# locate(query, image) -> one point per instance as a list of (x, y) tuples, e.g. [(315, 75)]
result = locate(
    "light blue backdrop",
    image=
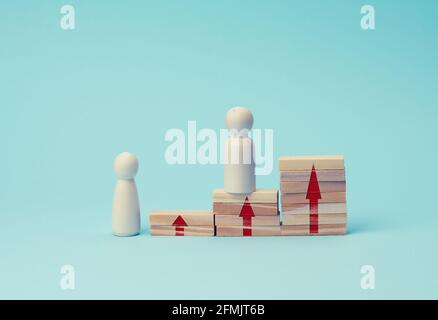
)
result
[(71, 100)]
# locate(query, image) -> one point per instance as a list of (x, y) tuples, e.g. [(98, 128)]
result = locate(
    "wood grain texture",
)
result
[(304, 219), (198, 231), (192, 218), (324, 230), (260, 209), (304, 208), (291, 163), (229, 220), (323, 175), (258, 196), (232, 231), (326, 197), (301, 186)]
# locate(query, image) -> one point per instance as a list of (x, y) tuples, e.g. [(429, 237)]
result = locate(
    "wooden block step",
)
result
[(291, 163), (323, 230), (184, 217), (304, 219), (304, 208), (304, 175), (326, 197), (302, 186), (198, 231), (258, 196), (229, 220), (233, 231), (259, 209)]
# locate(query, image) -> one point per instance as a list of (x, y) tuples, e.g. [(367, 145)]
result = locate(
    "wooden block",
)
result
[(258, 196), (259, 209), (326, 197), (301, 186), (323, 230), (323, 175), (304, 219), (191, 218), (291, 163), (229, 220), (199, 231), (304, 208), (233, 231)]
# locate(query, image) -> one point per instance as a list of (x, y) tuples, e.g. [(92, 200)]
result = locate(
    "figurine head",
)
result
[(126, 166), (239, 119)]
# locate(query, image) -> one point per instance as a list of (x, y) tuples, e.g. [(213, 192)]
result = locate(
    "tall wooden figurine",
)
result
[(126, 208), (239, 175)]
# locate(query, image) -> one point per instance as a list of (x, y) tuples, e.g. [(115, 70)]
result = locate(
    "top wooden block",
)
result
[(258, 196), (290, 163), (189, 218)]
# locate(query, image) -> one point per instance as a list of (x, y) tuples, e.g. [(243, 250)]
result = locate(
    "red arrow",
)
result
[(179, 224), (313, 195), (247, 214)]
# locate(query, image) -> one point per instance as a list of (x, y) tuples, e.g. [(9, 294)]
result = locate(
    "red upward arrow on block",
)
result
[(179, 224), (247, 214), (313, 195)]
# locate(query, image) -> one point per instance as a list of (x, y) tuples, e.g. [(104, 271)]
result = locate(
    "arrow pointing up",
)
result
[(247, 214), (313, 192), (313, 195), (179, 224)]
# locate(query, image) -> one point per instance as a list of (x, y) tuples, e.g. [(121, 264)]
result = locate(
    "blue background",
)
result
[(70, 101)]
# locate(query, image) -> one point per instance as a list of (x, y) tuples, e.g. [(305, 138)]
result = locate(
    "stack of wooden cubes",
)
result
[(313, 195), (313, 202), (254, 214), (181, 223)]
